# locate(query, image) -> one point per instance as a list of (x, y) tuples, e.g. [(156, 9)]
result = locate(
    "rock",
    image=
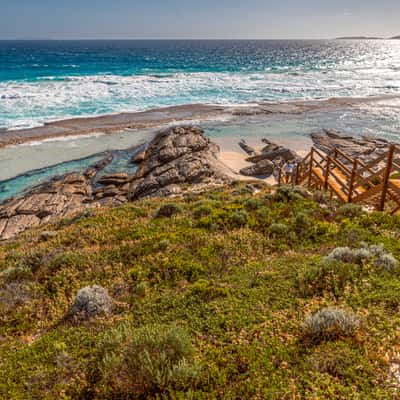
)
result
[(17, 224), (114, 179), (363, 148), (248, 149), (47, 235), (262, 168), (177, 156), (279, 153), (270, 146), (90, 302), (139, 157), (74, 179)]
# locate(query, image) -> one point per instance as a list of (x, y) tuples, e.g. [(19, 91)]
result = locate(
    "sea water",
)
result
[(47, 80)]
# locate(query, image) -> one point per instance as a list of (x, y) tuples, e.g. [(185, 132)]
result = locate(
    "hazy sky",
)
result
[(197, 18)]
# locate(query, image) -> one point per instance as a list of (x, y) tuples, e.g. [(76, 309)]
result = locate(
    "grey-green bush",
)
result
[(330, 324), (147, 361)]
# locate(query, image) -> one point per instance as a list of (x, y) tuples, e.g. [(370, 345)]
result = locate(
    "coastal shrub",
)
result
[(347, 255), (366, 253), (168, 210), (387, 262), (278, 229), (163, 245), (254, 204), (303, 224), (350, 210), (134, 274), (207, 290), (330, 324), (289, 193), (91, 301), (341, 360), (239, 218), (14, 274), (327, 276), (202, 211), (141, 289), (147, 361), (320, 197)]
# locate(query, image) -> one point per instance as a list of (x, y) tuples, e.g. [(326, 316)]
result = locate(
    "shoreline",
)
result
[(159, 117)]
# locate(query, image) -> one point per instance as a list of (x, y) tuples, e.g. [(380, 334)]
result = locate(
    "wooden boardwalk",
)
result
[(375, 184)]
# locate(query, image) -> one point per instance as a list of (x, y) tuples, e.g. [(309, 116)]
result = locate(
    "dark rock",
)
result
[(248, 149), (279, 153), (114, 179), (262, 168)]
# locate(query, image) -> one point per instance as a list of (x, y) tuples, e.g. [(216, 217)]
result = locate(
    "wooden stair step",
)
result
[(332, 183)]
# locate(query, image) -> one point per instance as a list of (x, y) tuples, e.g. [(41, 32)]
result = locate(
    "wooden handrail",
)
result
[(357, 182), (386, 177)]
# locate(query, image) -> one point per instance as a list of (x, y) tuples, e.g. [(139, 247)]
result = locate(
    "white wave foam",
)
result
[(30, 103)]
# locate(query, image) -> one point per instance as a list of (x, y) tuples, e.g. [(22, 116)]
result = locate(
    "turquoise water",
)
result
[(47, 80), (18, 185)]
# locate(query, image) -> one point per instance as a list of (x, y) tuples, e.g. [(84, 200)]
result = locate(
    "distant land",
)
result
[(366, 38)]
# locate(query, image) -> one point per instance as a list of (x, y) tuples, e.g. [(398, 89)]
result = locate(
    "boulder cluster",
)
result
[(265, 161), (176, 157)]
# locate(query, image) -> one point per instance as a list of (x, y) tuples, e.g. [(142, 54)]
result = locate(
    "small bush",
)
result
[(207, 290), (288, 193), (350, 210), (254, 204), (168, 210), (141, 289), (13, 274), (202, 211), (387, 262), (347, 255), (278, 229), (134, 274), (330, 324), (239, 218), (330, 276), (364, 254), (147, 361)]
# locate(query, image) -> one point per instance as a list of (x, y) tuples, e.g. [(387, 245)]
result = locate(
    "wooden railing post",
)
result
[(326, 177), (296, 180), (352, 180), (311, 166), (387, 177)]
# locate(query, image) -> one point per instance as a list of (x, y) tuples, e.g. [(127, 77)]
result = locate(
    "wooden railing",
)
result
[(351, 180)]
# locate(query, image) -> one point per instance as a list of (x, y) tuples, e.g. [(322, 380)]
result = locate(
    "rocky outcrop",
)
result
[(175, 157), (362, 148), (264, 161), (262, 168), (53, 199)]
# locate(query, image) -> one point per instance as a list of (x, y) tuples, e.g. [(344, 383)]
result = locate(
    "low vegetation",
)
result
[(229, 294)]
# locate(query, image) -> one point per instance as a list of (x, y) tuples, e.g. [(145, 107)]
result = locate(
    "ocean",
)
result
[(42, 81)]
